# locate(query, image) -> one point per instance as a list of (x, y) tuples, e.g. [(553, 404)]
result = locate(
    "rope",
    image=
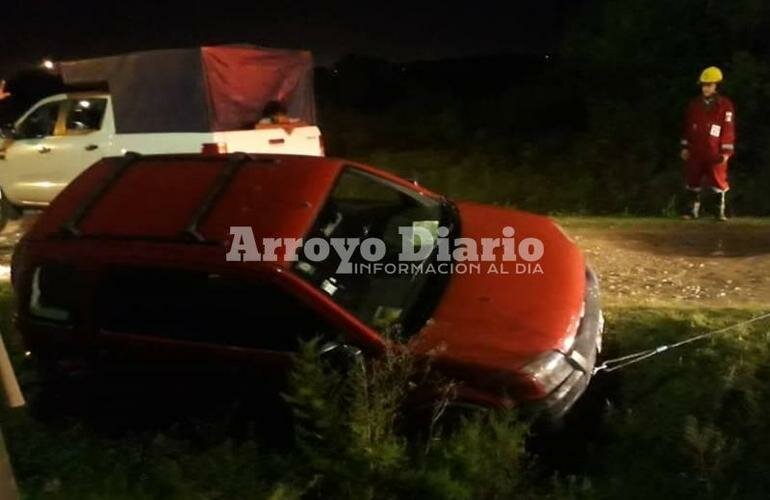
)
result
[(612, 365)]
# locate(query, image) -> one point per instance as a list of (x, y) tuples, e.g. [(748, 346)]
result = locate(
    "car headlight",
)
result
[(549, 370)]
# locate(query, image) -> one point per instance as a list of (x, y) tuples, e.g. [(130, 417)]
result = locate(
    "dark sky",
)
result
[(405, 31)]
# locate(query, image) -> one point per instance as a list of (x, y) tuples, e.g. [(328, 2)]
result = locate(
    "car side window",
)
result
[(357, 186), (275, 320), (202, 307), (85, 115), (41, 122)]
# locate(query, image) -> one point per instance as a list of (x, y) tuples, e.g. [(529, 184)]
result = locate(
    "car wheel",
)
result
[(432, 420), (7, 211), (459, 412)]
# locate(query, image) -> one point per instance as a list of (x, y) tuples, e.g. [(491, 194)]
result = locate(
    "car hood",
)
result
[(499, 320)]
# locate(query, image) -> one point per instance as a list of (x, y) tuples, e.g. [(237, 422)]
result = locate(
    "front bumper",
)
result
[(582, 356)]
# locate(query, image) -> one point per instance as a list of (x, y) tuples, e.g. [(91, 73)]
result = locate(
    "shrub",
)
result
[(350, 445)]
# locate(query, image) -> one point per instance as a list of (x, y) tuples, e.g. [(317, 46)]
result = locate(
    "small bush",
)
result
[(350, 446)]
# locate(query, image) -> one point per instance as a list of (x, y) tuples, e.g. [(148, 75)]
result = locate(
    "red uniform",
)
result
[(709, 136)]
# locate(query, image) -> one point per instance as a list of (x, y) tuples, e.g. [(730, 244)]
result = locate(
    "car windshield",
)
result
[(391, 296)]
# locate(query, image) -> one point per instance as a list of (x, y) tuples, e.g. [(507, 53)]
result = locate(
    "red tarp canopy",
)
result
[(204, 89)]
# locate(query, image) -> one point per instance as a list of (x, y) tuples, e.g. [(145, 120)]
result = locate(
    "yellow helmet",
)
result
[(711, 74)]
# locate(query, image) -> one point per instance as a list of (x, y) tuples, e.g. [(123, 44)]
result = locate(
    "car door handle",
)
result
[(92, 147), (43, 150)]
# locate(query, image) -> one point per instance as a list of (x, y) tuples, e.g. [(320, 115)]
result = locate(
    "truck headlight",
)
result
[(549, 370)]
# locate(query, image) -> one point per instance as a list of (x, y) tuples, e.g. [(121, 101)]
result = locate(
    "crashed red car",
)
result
[(137, 260)]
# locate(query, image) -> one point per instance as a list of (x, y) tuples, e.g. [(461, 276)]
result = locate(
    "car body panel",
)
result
[(508, 319), (483, 332)]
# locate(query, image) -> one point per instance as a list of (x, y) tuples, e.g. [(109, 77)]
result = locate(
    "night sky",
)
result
[(399, 31)]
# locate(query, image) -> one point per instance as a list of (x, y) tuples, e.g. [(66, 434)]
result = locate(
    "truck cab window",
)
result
[(85, 115), (41, 122)]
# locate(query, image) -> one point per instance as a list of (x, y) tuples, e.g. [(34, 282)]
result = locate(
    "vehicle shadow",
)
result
[(197, 407), (563, 447), (716, 240)]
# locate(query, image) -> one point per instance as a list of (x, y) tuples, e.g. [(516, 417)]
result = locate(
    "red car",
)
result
[(151, 259)]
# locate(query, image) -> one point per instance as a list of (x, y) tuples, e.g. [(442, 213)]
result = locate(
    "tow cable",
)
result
[(612, 365)]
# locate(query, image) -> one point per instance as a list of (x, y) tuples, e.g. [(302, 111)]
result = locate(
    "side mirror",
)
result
[(342, 356), (7, 131)]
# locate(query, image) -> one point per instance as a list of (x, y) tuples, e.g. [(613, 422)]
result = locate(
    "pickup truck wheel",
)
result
[(7, 211)]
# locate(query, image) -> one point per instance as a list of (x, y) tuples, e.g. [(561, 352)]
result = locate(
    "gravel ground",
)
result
[(8, 238), (672, 263)]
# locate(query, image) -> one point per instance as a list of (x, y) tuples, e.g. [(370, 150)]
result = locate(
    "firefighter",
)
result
[(275, 113), (708, 142)]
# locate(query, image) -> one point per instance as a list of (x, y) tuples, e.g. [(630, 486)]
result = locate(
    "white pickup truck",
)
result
[(164, 102), (62, 135)]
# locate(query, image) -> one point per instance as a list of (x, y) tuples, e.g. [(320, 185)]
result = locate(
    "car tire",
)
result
[(422, 422), (457, 413), (7, 210), (42, 393)]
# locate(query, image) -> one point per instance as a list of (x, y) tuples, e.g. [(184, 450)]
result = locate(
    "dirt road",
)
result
[(655, 262), (660, 262), (8, 238)]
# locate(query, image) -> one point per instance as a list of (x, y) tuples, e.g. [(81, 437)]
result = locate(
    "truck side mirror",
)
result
[(7, 131)]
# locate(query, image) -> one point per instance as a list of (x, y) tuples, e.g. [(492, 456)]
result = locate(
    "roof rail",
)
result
[(71, 227), (220, 184)]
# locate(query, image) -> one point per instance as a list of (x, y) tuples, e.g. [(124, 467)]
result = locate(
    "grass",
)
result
[(655, 223), (688, 423)]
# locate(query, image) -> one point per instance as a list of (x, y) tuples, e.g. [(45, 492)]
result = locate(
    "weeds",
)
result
[(689, 423), (351, 446)]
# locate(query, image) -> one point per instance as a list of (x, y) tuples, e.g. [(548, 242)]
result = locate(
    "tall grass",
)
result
[(689, 423), (349, 442)]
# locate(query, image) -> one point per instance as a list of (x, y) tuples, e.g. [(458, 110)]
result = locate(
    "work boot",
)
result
[(721, 205), (693, 205)]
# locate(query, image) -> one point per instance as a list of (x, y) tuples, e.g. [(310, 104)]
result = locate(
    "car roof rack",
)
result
[(72, 226), (224, 178)]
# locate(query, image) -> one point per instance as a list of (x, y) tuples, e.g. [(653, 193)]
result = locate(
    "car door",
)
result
[(86, 139), (28, 160), (203, 326)]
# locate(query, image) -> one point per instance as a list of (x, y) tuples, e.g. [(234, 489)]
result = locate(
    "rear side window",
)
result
[(41, 122), (85, 115), (203, 307)]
